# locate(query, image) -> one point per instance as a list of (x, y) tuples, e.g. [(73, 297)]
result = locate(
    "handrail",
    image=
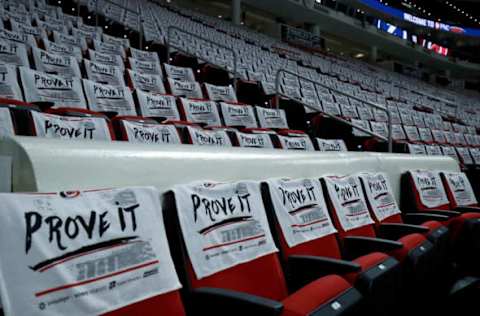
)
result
[(138, 13), (170, 45), (389, 139)]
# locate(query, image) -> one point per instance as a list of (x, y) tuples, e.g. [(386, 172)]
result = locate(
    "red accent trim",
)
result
[(68, 117), (312, 223), (63, 110), (37, 193), (67, 286), (386, 205), (181, 108), (235, 103), (221, 127), (129, 80), (233, 242), (244, 81), (32, 124), (110, 129), (180, 123), (7, 101), (259, 130), (135, 118), (291, 132), (98, 190), (198, 99)]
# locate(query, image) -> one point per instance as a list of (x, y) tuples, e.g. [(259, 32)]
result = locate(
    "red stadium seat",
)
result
[(424, 192), (387, 215), (152, 266), (390, 224), (168, 304), (308, 243), (249, 282), (356, 229)]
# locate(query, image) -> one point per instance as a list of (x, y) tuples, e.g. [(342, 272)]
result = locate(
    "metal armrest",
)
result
[(225, 301), (420, 218), (357, 246), (394, 231), (323, 265), (467, 209)]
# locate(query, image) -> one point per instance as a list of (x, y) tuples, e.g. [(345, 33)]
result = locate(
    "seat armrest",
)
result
[(420, 218), (225, 301), (356, 246), (449, 213), (394, 231), (323, 265), (467, 209), (305, 269), (464, 285)]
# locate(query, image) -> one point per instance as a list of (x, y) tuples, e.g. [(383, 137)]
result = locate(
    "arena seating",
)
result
[(310, 246), (418, 122), (389, 224), (356, 230), (158, 95), (425, 192), (255, 282), (159, 168)]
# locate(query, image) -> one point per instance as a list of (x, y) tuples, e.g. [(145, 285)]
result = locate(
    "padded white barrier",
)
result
[(47, 165)]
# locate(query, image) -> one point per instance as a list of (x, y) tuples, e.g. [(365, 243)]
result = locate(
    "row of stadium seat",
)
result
[(71, 123), (344, 248), (344, 245), (346, 107), (297, 89), (227, 93), (260, 63)]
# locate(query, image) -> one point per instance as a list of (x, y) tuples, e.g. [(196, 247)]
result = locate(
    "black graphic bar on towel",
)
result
[(225, 222), (302, 208)]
